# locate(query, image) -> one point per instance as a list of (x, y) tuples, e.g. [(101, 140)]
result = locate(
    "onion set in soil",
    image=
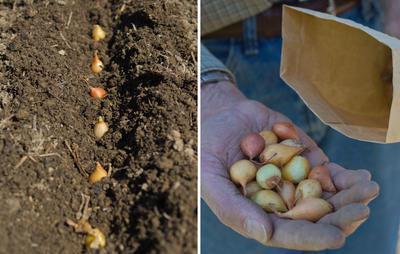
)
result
[(100, 128), (97, 92), (277, 177), (98, 173), (98, 33), (97, 65)]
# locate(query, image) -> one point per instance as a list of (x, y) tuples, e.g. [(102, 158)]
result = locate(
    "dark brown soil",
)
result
[(149, 204)]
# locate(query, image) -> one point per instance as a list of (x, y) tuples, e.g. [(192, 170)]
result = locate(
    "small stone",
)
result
[(145, 186), (22, 114), (179, 145), (61, 2), (189, 152), (62, 52), (176, 134), (31, 13), (13, 205), (165, 163), (155, 222)]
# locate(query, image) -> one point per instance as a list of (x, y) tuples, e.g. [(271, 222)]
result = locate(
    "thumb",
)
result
[(233, 209)]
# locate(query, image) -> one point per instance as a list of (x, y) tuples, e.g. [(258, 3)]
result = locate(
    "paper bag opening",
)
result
[(343, 72)]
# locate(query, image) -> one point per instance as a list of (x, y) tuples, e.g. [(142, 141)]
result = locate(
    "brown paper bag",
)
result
[(346, 73)]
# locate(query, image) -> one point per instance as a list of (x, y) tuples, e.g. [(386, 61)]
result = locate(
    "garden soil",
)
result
[(47, 144)]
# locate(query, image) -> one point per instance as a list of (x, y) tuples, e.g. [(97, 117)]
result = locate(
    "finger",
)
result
[(362, 192), (305, 235), (327, 195), (233, 209), (334, 168), (347, 218), (348, 178)]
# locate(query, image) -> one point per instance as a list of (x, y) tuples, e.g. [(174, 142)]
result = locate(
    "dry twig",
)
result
[(74, 152)]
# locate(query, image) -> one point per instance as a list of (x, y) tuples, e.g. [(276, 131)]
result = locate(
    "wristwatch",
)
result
[(214, 76)]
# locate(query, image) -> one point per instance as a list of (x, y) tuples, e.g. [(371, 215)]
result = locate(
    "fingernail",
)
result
[(255, 230)]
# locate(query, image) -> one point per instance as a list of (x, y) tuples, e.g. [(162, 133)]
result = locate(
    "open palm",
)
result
[(221, 133)]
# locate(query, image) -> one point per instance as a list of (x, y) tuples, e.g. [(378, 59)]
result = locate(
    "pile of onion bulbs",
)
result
[(278, 178)]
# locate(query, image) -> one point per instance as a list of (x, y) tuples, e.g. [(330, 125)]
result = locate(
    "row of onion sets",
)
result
[(95, 239), (279, 179)]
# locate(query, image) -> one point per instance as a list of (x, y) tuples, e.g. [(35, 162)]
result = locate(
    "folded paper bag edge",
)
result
[(386, 39), (359, 133), (393, 132), (376, 135)]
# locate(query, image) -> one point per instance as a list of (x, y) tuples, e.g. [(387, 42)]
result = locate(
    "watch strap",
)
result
[(216, 75)]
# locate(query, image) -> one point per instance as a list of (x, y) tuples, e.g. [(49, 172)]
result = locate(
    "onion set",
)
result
[(279, 154), (100, 128), (270, 201), (296, 169), (97, 92), (268, 176), (98, 33), (285, 131), (269, 137), (322, 175), (243, 172), (308, 188), (252, 145), (96, 65), (311, 209), (98, 173)]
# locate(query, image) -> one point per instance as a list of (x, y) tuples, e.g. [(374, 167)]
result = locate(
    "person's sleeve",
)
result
[(216, 14), (209, 63)]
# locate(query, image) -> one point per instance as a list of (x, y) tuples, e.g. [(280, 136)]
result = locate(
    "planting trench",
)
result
[(148, 205)]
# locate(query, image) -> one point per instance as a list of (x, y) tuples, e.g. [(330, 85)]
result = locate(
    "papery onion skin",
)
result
[(292, 142)]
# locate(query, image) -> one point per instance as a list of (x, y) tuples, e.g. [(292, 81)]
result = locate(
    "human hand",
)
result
[(227, 115)]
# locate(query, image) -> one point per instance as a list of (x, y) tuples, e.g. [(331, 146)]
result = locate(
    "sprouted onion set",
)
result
[(95, 239), (281, 181)]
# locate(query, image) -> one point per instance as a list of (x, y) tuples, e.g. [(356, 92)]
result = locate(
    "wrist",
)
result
[(219, 96)]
